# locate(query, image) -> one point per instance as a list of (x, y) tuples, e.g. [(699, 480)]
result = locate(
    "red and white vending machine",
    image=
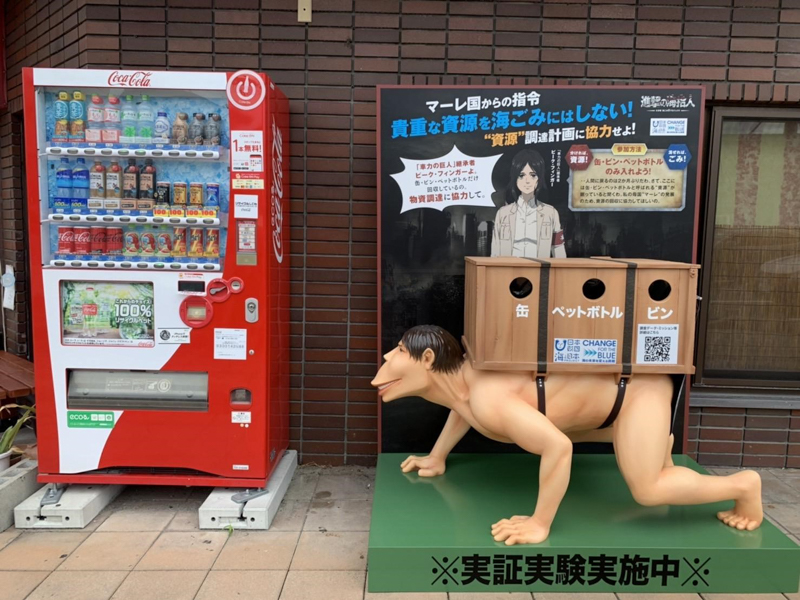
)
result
[(159, 275)]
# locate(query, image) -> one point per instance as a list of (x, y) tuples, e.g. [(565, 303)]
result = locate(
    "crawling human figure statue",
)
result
[(428, 362)]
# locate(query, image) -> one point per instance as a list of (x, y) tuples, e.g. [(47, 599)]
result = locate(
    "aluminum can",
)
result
[(196, 241), (162, 192), (132, 245), (196, 194), (179, 241), (212, 194), (66, 240), (212, 243), (98, 244), (114, 240), (179, 193), (147, 243), (83, 240), (164, 244)]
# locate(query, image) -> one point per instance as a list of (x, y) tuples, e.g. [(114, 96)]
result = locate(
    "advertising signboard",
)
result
[(533, 171)]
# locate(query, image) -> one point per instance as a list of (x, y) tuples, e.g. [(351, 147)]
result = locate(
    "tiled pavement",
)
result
[(147, 545)]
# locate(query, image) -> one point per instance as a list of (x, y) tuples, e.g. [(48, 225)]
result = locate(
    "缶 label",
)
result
[(585, 351), (657, 345)]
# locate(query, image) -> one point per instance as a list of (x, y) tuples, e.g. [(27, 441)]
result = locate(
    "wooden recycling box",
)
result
[(580, 314)]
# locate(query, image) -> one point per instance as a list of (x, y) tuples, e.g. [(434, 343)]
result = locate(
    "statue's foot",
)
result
[(747, 512), (519, 530)]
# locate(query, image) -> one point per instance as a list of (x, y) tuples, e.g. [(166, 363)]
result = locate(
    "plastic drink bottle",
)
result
[(130, 180), (95, 120), (129, 117), (145, 121), (61, 113), (80, 179), (77, 117), (113, 186), (147, 180), (64, 179), (196, 129), (97, 185), (162, 129), (213, 129), (112, 126)]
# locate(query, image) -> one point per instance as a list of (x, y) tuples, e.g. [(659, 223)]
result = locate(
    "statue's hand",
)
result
[(428, 466), (520, 530)]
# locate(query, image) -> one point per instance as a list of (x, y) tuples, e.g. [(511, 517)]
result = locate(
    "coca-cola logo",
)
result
[(67, 235), (130, 78), (277, 190), (83, 237)]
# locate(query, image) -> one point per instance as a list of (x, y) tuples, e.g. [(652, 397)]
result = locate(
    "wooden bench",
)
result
[(16, 377)]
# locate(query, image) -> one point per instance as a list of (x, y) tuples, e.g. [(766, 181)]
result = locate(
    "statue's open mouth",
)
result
[(385, 386)]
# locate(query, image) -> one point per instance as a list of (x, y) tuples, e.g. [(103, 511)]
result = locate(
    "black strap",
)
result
[(627, 334), (544, 293), (540, 395), (623, 384)]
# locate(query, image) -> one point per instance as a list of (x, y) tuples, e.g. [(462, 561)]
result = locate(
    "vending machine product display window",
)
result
[(158, 273)]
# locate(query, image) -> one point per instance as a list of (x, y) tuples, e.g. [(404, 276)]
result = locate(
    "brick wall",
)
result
[(739, 437), (742, 50), (37, 33)]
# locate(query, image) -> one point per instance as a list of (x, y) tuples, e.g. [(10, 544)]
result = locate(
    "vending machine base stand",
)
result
[(433, 535), (75, 507), (249, 509)]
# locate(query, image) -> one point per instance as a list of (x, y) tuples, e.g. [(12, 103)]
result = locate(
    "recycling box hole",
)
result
[(594, 289), (520, 287), (659, 290)]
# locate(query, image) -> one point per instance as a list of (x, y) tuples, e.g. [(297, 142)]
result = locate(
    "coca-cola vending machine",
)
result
[(159, 275)]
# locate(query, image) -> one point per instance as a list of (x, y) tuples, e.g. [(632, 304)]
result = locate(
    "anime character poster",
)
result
[(534, 172)]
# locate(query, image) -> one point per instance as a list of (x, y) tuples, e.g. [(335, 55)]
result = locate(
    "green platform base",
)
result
[(433, 535)]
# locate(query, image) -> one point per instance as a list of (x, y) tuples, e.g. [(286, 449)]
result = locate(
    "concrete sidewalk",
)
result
[(147, 545)]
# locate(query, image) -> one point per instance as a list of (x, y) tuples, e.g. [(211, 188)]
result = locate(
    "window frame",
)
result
[(719, 114)]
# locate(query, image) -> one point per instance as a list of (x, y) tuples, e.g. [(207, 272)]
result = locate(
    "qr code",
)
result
[(656, 348)]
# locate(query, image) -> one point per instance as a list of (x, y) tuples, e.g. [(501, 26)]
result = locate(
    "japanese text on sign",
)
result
[(247, 151), (454, 179), (627, 182), (570, 569), (503, 120)]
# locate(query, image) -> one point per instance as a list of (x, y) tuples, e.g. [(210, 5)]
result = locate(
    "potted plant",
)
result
[(8, 436)]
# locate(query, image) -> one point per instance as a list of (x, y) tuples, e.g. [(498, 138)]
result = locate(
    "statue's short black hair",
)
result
[(449, 356)]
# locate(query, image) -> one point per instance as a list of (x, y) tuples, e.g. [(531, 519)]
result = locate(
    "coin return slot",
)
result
[(241, 397)]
